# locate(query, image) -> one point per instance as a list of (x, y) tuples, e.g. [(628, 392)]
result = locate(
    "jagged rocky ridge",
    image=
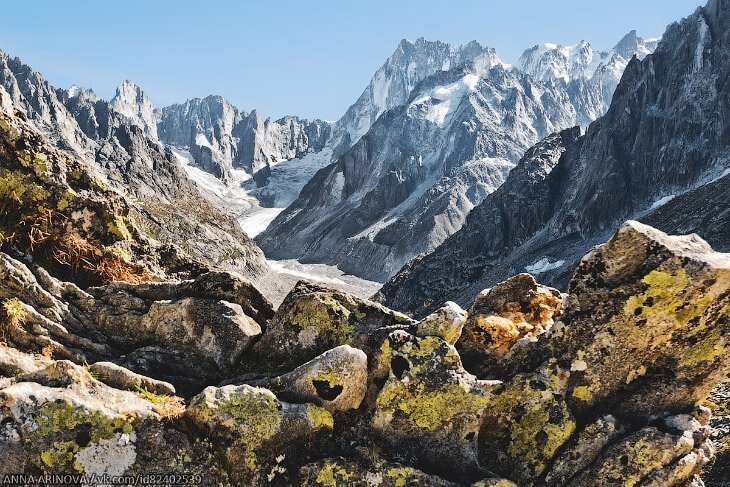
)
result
[(661, 154), (334, 390), (392, 83), (410, 181), (221, 138), (165, 204)]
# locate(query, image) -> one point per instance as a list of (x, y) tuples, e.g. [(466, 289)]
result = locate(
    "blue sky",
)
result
[(308, 58)]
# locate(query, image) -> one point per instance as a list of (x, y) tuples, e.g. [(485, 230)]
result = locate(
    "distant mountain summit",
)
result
[(409, 182), (553, 62), (222, 138), (395, 79), (134, 104)]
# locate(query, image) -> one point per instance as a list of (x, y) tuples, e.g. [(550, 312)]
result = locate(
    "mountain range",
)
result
[(408, 183), (440, 132), (660, 154)]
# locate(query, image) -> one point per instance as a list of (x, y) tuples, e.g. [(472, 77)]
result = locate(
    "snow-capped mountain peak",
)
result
[(553, 62), (393, 82), (548, 61), (134, 104), (81, 93)]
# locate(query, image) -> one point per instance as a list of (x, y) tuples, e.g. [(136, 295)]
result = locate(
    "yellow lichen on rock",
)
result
[(60, 420), (430, 410), (322, 314), (319, 417)]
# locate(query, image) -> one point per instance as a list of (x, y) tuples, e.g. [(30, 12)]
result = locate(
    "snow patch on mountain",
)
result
[(443, 100), (543, 265), (552, 62), (700, 49)]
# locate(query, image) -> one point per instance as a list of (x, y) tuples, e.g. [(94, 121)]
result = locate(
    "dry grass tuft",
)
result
[(13, 314), (168, 407)]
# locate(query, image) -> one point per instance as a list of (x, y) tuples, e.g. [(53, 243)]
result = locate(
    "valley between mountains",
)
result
[(484, 273)]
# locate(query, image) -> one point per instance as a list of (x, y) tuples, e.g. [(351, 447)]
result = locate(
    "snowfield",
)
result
[(240, 198)]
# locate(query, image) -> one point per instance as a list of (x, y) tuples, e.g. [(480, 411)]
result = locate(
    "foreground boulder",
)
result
[(430, 409), (336, 380), (190, 333), (252, 427), (313, 319), (359, 471), (505, 319), (60, 419), (648, 324)]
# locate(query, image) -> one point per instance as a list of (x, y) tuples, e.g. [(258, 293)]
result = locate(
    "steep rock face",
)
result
[(409, 183), (221, 138), (665, 135), (393, 82), (28, 89), (134, 104)]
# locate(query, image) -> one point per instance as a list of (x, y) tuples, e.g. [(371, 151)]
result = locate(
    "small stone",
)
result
[(121, 378), (445, 322)]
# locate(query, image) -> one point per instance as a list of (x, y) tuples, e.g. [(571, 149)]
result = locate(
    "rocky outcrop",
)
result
[(629, 164), (313, 319), (118, 156), (502, 322), (187, 333), (134, 104), (335, 380), (601, 386)]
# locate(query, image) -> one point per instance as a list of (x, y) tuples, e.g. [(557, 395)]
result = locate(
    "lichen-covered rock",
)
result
[(525, 425), (600, 398), (512, 312), (647, 327), (446, 322), (313, 319), (121, 378), (251, 427), (494, 482), (583, 449), (359, 472), (430, 409), (335, 380), (670, 453), (60, 419)]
